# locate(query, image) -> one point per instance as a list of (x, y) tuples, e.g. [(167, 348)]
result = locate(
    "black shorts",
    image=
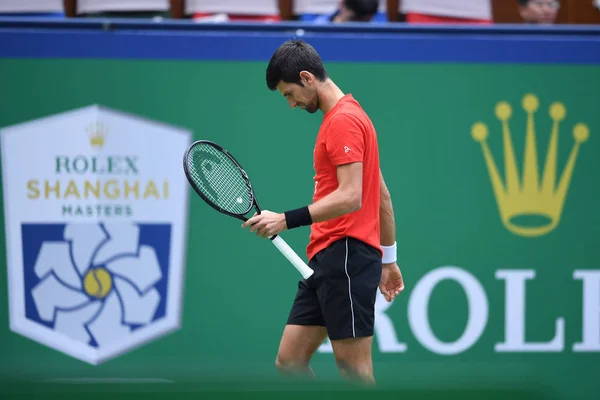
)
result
[(341, 294)]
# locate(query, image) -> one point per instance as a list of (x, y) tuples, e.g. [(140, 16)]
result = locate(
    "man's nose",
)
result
[(292, 103)]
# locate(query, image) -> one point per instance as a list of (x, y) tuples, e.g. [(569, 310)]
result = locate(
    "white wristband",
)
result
[(389, 254)]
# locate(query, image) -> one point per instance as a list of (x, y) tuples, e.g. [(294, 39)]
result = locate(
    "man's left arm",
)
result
[(386, 215), (391, 283)]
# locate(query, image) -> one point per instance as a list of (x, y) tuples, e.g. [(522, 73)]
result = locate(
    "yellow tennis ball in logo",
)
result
[(97, 283)]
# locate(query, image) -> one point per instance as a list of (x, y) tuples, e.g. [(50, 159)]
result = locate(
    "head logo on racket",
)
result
[(207, 172)]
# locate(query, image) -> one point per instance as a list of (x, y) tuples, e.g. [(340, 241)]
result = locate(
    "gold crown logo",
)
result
[(531, 197), (97, 133)]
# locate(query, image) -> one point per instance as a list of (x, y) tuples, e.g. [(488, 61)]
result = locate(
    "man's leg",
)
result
[(297, 346), (304, 332), (353, 358), (347, 298)]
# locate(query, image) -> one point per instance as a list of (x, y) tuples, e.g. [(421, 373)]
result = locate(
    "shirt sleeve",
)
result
[(345, 140)]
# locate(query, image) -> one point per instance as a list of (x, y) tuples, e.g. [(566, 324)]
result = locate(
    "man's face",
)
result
[(304, 97), (540, 11)]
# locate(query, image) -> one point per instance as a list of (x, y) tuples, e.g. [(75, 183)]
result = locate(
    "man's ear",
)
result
[(306, 77)]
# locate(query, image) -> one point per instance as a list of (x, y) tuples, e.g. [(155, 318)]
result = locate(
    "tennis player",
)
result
[(352, 246)]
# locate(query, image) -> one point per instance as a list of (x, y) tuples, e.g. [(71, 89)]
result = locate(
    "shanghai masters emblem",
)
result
[(527, 194), (95, 231), (96, 283)]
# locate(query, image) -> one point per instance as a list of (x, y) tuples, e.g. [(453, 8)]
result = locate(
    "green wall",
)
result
[(446, 215)]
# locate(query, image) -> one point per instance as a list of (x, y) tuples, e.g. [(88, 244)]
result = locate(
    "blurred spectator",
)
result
[(306, 10), (234, 10), (324, 11), (441, 11), (351, 11), (539, 11), (118, 8)]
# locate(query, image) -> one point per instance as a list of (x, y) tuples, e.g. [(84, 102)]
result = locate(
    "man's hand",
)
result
[(266, 224), (391, 283)]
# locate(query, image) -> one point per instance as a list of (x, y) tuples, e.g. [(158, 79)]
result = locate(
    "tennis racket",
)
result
[(221, 182)]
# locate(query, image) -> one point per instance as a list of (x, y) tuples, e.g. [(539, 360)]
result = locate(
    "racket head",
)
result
[(219, 179)]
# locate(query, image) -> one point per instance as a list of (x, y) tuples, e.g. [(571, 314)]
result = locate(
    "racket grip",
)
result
[(292, 257)]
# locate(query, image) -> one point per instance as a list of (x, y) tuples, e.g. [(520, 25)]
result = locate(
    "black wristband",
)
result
[(298, 217)]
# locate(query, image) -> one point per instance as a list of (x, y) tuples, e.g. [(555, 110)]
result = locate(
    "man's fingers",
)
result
[(259, 228), (251, 221), (385, 293), (268, 232), (254, 223), (263, 231), (400, 286), (390, 294)]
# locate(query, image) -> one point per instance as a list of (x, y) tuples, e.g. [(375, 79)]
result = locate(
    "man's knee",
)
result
[(356, 371), (287, 365), (297, 346)]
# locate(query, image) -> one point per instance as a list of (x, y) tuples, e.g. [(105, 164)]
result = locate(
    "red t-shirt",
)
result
[(346, 135)]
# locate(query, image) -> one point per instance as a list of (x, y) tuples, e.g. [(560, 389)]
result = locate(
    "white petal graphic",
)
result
[(85, 240), (123, 240), (54, 256), (50, 294), (138, 309), (107, 327), (72, 323), (144, 271)]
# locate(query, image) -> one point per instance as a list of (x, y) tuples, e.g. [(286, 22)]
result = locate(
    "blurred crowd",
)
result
[(311, 11)]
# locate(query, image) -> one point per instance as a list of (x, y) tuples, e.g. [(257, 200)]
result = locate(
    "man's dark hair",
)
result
[(362, 8), (291, 58)]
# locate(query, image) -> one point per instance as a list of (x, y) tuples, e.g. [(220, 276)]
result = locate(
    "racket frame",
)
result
[(281, 245), (253, 203)]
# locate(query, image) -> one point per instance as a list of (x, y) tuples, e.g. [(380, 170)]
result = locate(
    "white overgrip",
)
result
[(292, 257)]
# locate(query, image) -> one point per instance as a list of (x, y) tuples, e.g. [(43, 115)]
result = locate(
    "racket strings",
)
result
[(231, 195), (219, 179), (223, 182), (223, 190)]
